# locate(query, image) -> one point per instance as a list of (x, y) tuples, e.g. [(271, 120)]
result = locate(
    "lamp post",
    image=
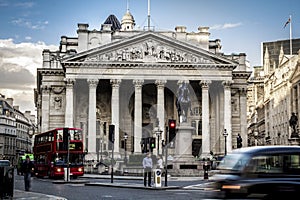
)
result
[(101, 143), (225, 134), (158, 133), (125, 148)]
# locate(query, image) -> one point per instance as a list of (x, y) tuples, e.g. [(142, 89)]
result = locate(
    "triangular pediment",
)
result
[(295, 76), (149, 47)]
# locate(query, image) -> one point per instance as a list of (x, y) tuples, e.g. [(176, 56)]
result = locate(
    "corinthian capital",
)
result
[(69, 81), (138, 83), (160, 83), (227, 84), (115, 82), (205, 83), (93, 83)]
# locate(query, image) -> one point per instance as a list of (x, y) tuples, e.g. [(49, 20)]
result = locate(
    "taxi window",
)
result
[(274, 164), (233, 162), (265, 164)]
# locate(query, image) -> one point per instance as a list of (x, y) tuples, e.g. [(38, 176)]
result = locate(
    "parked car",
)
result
[(263, 171)]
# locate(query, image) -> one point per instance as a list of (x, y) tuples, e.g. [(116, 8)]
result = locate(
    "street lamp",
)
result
[(225, 134), (158, 133), (101, 143), (125, 149)]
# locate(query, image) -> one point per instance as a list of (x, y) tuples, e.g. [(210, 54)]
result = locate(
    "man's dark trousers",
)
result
[(27, 180), (147, 173)]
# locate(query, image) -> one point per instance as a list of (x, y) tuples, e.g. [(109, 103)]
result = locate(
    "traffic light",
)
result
[(172, 129), (152, 143), (111, 135)]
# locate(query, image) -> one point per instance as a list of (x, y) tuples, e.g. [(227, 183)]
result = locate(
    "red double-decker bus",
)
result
[(53, 149)]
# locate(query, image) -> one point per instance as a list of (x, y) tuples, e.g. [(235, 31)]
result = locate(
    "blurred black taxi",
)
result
[(266, 171)]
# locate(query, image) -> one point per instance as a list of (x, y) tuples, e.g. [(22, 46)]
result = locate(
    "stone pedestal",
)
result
[(184, 162), (183, 143)]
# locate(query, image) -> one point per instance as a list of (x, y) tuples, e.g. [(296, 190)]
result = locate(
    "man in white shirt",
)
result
[(160, 163), (147, 165)]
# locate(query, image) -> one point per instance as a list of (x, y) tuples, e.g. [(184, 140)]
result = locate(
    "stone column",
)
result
[(227, 114), (161, 108), (298, 97), (45, 108), (69, 112), (243, 110), (92, 116), (138, 115), (205, 119), (115, 111), (294, 97)]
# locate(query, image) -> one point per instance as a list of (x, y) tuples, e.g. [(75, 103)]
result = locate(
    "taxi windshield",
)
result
[(234, 162)]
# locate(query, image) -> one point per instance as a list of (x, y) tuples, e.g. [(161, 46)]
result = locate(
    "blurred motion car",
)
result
[(268, 172)]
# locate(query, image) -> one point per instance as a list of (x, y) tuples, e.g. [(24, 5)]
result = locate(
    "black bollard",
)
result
[(205, 168)]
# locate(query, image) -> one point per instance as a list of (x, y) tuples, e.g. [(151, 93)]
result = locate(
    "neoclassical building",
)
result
[(129, 78), (274, 96)]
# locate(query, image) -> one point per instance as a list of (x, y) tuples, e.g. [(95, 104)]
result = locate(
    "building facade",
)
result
[(8, 132), (16, 130), (275, 90), (129, 78)]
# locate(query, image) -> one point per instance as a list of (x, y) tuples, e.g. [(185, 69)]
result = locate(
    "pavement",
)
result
[(21, 194)]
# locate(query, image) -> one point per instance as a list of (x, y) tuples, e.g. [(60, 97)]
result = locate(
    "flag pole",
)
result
[(291, 36)]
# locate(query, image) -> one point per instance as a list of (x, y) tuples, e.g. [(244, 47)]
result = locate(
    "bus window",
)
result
[(51, 137), (76, 134), (59, 135)]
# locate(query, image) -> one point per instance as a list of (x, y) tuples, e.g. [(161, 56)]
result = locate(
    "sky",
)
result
[(29, 26)]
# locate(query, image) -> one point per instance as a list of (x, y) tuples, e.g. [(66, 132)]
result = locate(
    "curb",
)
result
[(70, 182), (132, 186)]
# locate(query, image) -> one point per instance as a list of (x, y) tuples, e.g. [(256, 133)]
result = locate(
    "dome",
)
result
[(113, 20), (127, 23), (128, 18)]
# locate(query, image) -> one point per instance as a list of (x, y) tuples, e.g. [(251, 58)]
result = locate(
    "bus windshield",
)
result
[(74, 159)]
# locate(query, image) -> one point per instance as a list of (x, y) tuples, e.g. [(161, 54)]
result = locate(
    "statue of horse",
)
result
[(183, 102)]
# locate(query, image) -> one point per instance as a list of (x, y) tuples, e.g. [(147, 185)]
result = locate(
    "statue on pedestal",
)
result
[(293, 123), (183, 102)]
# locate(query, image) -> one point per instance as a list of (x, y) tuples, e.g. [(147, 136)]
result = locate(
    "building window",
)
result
[(196, 111)]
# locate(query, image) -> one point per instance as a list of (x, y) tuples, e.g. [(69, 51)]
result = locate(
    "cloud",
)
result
[(4, 3), (26, 55), (39, 25), (15, 77), (25, 4), (225, 26), (18, 65)]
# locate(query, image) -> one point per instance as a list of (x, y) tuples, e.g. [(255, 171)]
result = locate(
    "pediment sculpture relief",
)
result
[(149, 51)]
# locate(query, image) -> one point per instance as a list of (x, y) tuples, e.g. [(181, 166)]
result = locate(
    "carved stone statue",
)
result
[(293, 123), (183, 102)]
